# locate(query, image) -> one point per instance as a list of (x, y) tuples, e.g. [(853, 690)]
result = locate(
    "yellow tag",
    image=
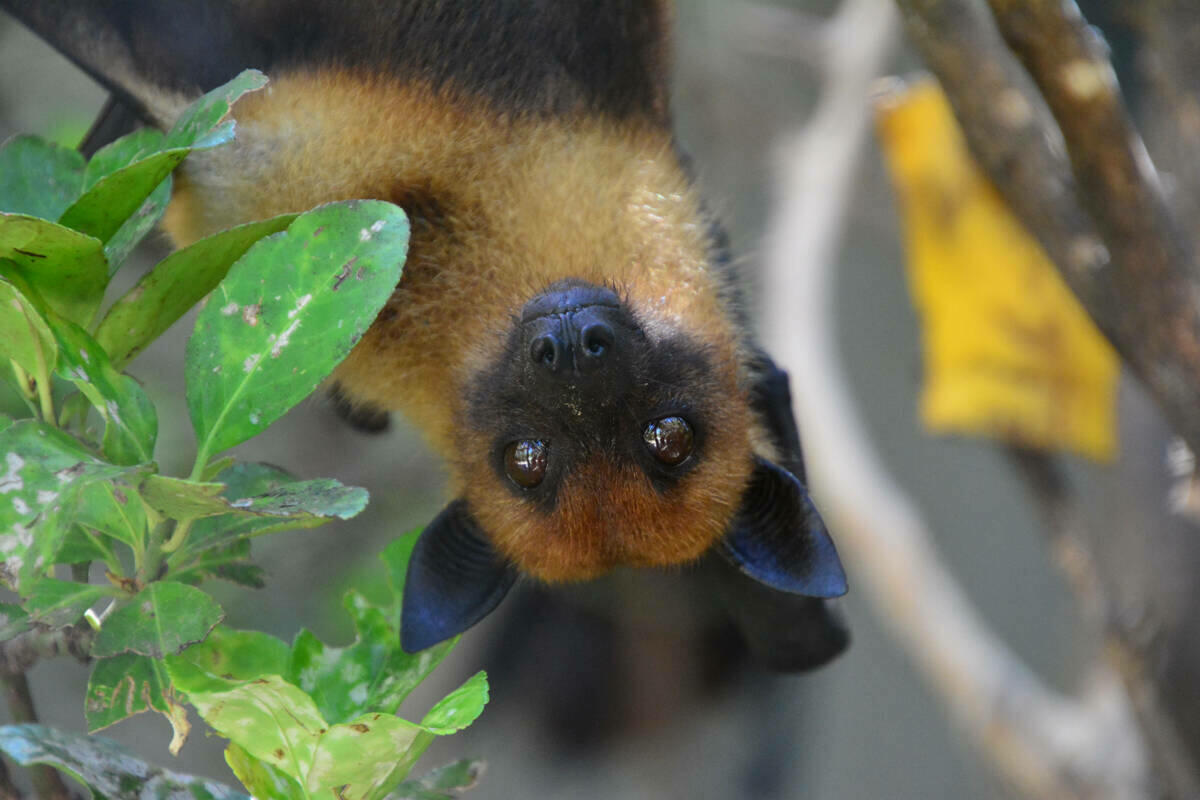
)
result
[(1008, 351)]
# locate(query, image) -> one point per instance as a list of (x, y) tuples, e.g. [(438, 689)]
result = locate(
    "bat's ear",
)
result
[(778, 539), (455, 578)]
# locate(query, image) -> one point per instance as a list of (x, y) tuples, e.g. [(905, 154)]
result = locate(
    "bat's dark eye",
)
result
[(669, 440), (525, 462)]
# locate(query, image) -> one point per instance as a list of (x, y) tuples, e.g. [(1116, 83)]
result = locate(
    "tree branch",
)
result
[(21, 652), (47, 783), (1049, 745), (1116, 248)]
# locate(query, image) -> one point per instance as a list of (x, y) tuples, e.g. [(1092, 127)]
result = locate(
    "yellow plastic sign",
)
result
[(1008, 351)]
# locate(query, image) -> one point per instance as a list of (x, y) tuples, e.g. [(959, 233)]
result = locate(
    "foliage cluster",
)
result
[(287, 298)]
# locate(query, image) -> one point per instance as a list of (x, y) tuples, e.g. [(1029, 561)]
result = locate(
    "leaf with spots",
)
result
[(41, 471), (368, 755), (53, 264), (269, 718), (371, 674), (239, 655), (129, 684), (180, 280), (130, 421), (38, 178), (163, 618), (288, 311), (107, 769), (264, 781), (113, 508)]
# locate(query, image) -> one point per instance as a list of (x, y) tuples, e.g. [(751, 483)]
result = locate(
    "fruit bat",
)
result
[(568, 332)]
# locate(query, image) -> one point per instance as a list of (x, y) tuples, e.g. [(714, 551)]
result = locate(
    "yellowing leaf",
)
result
[(1008, 351)]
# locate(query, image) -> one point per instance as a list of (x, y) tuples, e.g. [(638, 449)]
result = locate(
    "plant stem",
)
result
[(47, 783), (8, 789)]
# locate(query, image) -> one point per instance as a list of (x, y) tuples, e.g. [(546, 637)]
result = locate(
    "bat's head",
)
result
[(599, 435)]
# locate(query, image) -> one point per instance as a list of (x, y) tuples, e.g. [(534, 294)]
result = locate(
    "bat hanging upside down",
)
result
[(567, 332)]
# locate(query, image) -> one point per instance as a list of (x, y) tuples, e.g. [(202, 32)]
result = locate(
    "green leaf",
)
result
[(24, 335), (371, 753), (163, 618), (41, 469), (180, 280), (264, 781), (371, 674), (179, 498), (135, 228), (230, 562), (198, 126), (120, 153), (108, 769), (14, 621), (114, 509), (81, 546), (239, 655), (443, 783), (38, 178), (125, 685), (286, 314), (104, 208), (65, 268), (130, 421), (269, 718), (321, 497), (460, 708), (56, 603)]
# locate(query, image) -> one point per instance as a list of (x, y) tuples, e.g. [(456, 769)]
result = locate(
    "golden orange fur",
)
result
[(518, 203)]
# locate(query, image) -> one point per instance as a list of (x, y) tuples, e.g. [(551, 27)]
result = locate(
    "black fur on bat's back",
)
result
[(544, 56)]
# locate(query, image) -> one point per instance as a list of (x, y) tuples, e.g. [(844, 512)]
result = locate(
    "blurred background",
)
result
[(621, 689)]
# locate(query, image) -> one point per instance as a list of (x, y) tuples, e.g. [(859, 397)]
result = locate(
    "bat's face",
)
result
[(605, 438)]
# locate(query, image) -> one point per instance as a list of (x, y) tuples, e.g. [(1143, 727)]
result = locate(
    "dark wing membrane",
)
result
[(535, 56)]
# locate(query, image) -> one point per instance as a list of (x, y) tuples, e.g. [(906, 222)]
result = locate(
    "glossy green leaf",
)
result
[(38, 178), (286, 314), (41, 469), (180, 280), (25, 338), (264, 781), (460, 708), (67, 269), (14, 621), (108, 769), (130, 421), (200, 124), (57, 603), (163, 618), (443, 783)]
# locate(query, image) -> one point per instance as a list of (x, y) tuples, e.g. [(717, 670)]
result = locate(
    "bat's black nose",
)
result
[(580, 341)]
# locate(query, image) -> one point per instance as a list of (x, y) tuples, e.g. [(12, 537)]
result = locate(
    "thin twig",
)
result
[(47, 783), (1067, 529), (1049, 745), (21, 652)]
